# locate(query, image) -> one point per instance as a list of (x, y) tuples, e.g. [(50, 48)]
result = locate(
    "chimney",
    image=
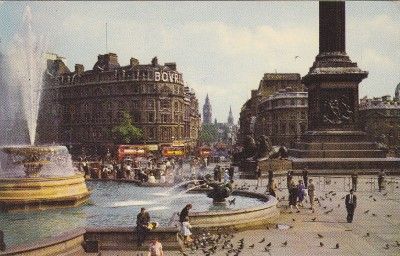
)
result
[(79, 69), (171, 65), (134, 62)]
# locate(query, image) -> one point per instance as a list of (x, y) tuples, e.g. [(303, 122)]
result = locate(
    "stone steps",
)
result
[(337, 153), (346, 163), (336, 146)]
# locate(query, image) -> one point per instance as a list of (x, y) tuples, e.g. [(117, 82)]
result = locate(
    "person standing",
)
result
[(258, 174), (354, 178), (155, 248), (272, 187), (311, 194), (231, 172), (381, 180), (351, 203), (293, 196), (142, 223), (289, 178), (300, 192), (305, 177), (270, 176), (185, 225)]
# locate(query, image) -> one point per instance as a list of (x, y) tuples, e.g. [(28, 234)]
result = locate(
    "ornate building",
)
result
[(80, 108), (253, 120), (282, 116), (381, 116), (207, 111)]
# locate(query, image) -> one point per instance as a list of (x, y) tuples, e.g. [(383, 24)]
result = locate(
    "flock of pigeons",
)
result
[(223, 241)]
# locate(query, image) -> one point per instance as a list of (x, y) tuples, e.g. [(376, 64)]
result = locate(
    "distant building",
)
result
[(207, 111), (282, 116), (230, 116), (381, 116), (254, 120), (81, 107)]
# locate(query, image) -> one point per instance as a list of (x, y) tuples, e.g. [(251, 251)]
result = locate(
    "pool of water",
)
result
[(111, 204)]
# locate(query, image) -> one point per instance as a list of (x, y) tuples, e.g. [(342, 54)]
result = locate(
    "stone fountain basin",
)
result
[(241, 218), (42, 192)]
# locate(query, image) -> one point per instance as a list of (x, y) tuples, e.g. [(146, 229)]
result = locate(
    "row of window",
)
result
[(119, 89)]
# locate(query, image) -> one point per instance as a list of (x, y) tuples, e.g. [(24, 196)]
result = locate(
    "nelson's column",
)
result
[(334, 139)]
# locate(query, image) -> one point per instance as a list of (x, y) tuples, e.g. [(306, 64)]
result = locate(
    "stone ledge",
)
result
[(49, 246)]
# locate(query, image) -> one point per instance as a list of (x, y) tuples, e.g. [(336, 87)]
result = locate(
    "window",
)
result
[(150, 104), (165, 118), (165, 104), (151, 133), (150, 116)]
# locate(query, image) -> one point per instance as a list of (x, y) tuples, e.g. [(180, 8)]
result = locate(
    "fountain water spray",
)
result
[(27, 65)]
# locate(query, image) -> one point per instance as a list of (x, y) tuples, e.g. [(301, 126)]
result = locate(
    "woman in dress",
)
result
[(300, 192)]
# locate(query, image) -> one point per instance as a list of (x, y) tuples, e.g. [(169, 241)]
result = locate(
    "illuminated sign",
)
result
[(173, 151)]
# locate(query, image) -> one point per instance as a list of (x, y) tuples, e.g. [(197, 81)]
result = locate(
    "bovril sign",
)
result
[(168, 76)]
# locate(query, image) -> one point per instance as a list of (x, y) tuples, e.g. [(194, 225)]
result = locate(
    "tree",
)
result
[(208, 133), (126, 132)]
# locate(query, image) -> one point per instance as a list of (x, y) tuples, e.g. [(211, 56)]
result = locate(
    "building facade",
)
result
[(274, 88), (381, 116), (80, 108), (282, 116)]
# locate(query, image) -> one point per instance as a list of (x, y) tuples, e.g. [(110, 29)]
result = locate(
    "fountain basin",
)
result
[(42, 192), (244, 218)]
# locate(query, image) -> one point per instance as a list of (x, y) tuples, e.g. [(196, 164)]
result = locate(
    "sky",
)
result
[(222, 48)]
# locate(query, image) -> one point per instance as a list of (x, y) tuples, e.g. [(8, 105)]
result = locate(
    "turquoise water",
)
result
[(111, 204)]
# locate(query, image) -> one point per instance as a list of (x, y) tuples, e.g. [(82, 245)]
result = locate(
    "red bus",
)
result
[(132, 151)]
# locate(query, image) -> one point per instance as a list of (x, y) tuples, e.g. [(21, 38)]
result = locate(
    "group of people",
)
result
[(150, 170), (223, 173), (144, 225)]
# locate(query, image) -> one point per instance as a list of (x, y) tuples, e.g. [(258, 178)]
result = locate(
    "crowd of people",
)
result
[(151, 170)]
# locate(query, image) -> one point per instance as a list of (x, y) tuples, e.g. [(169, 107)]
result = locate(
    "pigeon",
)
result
[(337, 246), (266, 249), (367, 235), (397, 244), (320, 236), (233, 201), (370, 196), (385, 194), (386, 246), (313, 219), (284, 243), (321, 244), (388, 215), (374, 199), (251, 246), (262, 240), (338, 206), (374, 214), (269, 244), (367, 211), (294, 219)]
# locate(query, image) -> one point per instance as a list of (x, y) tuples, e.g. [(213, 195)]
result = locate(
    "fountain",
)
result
[(31, 176), (219, 192)]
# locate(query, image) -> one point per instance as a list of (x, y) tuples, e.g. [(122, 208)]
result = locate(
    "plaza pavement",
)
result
[(377, 213)]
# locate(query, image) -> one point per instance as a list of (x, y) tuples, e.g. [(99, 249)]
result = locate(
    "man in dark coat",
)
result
[(351, 203), (142, 223), (184, 215), (305, 177)]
